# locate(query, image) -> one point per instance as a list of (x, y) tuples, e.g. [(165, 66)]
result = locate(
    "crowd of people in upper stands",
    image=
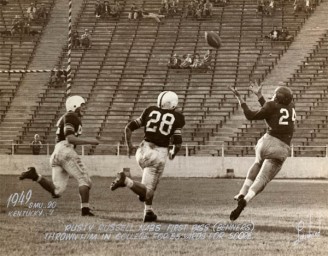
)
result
[(280, 35), (83, 41), (268, 7), (105, 10), (191, 61), (199, 9), (21, 25), (169, 8), (58, 78), (138, 13), (304, 6)]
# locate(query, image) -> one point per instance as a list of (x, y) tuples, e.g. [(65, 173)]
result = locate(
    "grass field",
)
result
[(193, 213)]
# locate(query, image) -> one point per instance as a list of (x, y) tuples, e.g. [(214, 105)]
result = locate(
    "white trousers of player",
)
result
[(151, 160), (65, 162), (270, 156)]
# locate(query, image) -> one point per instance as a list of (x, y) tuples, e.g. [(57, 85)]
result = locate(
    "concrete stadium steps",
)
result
[(33, 86), (16, 51), (125, 69)]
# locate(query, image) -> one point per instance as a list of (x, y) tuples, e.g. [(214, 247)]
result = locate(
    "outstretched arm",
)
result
[(237, 95), (250, 114), (257, 90)]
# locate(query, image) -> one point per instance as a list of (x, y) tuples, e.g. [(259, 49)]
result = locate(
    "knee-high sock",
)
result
[(84, 195), (137, 187)]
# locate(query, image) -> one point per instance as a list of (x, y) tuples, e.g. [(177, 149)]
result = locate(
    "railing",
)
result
[(13, 148)]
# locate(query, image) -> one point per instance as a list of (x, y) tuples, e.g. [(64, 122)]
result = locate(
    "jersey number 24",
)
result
[(285, 115)]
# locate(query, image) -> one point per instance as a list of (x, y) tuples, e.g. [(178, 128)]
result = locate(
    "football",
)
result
[(213, 39)]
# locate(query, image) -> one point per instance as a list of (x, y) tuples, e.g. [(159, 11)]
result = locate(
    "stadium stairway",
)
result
[(16, 51), (236, 121), (314, 28), (310, 86), (45, 57), (133, 70)]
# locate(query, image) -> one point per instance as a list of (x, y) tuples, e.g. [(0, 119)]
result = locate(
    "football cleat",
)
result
[(238, 197), (236, 212), (29, 174), (55, 196), (86, 212), (149, 216), (119, 181)]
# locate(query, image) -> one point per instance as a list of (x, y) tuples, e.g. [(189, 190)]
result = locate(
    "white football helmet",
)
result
[(74, 102), (167, 100)]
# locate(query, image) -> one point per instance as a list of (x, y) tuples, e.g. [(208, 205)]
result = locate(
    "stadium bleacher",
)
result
[(125, 69)]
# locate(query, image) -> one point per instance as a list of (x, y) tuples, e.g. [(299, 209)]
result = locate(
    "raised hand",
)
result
[(256, 88), (237, 94), (234, 91)]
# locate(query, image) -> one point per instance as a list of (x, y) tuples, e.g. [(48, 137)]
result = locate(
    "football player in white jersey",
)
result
[(162, 123), (64, 160)]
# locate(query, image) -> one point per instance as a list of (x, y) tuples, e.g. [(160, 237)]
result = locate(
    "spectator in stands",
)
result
[(107, 10), (164, 9), (76, 40), (31, 10), (308, 6), (156, 17), (169, 7), (36, 145), (197, 63), (208, 9), (58, 78), (41, 12), (220, 3), (99, 7), (260, 6), (133, 14), (17, 25), (116, 9), (274, 34), (191, 9), (207, 60), (174, 62), (61, 76), (285, 35), (86, 39), (299, 5), (187, 62), (271, 7), (199, 11), (26, 27), (52, 79)]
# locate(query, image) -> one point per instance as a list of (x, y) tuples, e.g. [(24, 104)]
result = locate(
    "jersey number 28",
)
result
[(159, 122)]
